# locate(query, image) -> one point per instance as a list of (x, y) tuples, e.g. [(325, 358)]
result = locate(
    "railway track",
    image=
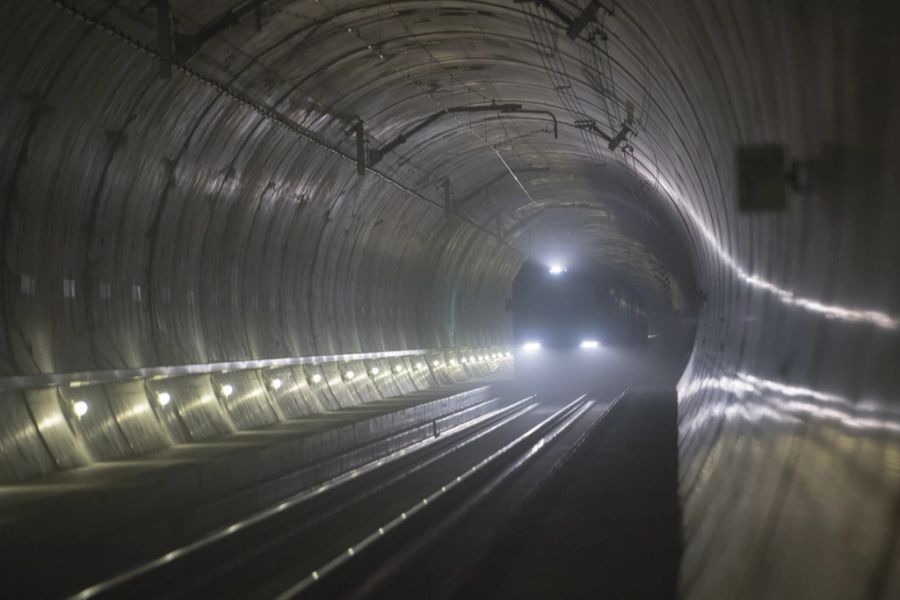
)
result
[(352, 532)]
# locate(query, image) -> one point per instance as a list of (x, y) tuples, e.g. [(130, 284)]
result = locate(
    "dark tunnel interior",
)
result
[(229, 224)]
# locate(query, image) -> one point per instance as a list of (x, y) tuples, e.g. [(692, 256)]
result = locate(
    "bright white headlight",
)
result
[(531, 346), (590, 344)]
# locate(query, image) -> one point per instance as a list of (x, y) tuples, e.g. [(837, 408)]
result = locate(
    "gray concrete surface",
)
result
[(606, 525), (128, 416), (82, 524), (218, 215)]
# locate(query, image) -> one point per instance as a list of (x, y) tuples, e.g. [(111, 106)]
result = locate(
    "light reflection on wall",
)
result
[(784, 403), (880, 319)]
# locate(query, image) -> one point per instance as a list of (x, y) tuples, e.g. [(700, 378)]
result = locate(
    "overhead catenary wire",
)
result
[(266, 111)]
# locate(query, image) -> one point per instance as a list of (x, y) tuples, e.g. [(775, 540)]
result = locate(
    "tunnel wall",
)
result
[(43, 432), (788, 408), (160, 222), (197, 228), (150, 222)]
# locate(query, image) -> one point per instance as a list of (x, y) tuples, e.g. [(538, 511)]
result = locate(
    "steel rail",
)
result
[(79, 378), (504, 416), (577, 406)]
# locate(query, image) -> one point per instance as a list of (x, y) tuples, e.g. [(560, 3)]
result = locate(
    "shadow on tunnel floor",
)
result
[(607, 525)]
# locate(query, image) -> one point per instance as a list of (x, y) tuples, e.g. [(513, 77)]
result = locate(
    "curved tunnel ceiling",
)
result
[(246, 140), (218, 215)]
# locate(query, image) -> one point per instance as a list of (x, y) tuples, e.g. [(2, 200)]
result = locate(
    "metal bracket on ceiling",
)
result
[(360, 148), (620, 136), (448, 196), (376, 154), (164, 38), (187, 44), (257, 13), (591, 125), (613, 142), (575, 26), (587, 15), (616, 140)]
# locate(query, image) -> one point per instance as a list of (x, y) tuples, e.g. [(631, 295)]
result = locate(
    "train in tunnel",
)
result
[(220, 219), (565, 317)]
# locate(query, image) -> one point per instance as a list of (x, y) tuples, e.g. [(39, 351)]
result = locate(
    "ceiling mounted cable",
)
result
[(267, 112)]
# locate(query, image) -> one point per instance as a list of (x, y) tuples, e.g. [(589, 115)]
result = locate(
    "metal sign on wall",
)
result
[(761, 178)]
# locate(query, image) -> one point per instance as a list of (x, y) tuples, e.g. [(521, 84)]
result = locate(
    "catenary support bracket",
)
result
[(376, 154), (448, 196), (187, 44), (620, 136), (164, 38), (575, 26), (360, 148)]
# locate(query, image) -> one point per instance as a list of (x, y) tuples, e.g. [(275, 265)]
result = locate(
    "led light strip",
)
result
[(78, 379)]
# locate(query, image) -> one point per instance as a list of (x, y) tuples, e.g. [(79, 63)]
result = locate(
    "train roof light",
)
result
[(557, 269)]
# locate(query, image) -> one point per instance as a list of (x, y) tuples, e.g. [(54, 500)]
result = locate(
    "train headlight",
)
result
[(531, 346), (557, 269), (590, 344)]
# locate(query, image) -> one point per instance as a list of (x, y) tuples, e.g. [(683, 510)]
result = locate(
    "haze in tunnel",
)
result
[(191, 183)]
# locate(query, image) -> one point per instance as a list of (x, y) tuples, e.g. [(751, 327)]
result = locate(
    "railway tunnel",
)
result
[(222, 220)]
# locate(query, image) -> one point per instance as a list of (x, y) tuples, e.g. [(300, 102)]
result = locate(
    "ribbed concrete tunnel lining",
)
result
[(159, 222), (192, 231)]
